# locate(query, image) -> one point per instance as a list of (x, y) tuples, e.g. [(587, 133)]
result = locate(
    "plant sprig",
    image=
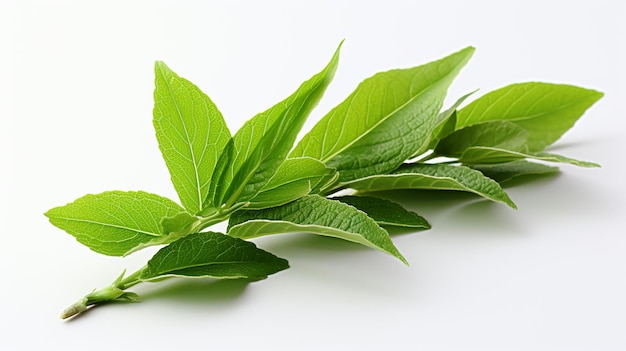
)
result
[(388, 134)]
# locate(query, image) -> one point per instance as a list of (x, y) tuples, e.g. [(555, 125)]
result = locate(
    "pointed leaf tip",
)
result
[(317, 215)]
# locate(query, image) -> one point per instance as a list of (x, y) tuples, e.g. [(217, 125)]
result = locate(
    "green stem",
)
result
[(113, 292), (131, 280), (116, 291), (220, 215)]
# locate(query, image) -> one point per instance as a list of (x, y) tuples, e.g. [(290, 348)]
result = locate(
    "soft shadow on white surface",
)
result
[(75, 118)]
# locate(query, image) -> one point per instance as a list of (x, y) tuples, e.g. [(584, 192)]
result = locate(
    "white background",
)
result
[(76, 106)]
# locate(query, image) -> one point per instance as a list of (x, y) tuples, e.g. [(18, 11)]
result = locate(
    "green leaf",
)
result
[(498, 134), (191, 133), (317, 215), (446, 122), (545, 110), (389, 117), (115, 223), (486, 155), (436, 177), (325, 183), (262, 143), (179, 223), (504, 172), (294, 178), (496, 142), (385, 212), (212, 255)]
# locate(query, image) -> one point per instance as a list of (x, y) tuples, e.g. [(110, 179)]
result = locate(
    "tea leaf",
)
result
[(496, 142), (545, 110), (317, 215), (214, 255), (115, 223), (436, 177), (385, 212), (446, 122), (191, 133), (262, 143), (504, 172), (486, 155), (389, 117), (294, 178), (496, 134)]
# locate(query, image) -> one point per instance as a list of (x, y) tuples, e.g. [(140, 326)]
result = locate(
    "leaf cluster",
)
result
[(391, 132)]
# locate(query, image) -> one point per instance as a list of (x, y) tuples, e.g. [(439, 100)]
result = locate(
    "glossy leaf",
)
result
[(262, 143), (116, 223), (294, 178), (389, 117), (317, 215), (435, 177), (385, 212), (191, 133), (212, 255), (545, 110)]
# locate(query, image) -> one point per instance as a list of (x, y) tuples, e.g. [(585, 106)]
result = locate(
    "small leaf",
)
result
[(389, 117), (496, 142), (295, 178), (497, 134), (385, 212), (115, 223), (504, 172), (446, 122), (212, 255), (180, 222), (317, 215), (262, 143), (436, 177), (191, 133), (325, 183), (545, 110)]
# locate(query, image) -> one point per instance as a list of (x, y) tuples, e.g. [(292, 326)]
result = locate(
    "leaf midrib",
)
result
[(381, 121), (293, 224), (265, 157), (204, 264), (110, 225), (191, 151)]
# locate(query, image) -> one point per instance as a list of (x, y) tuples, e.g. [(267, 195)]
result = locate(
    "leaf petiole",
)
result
[(113, 292)]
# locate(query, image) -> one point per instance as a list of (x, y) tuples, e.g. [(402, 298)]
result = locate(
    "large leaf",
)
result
[(545, 110), (116, 223), (385, 212), (191, 133), (294, 178), (389, 117), (262, 143), (504, 172), (436, 177), (317, 215), (212, 255)]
